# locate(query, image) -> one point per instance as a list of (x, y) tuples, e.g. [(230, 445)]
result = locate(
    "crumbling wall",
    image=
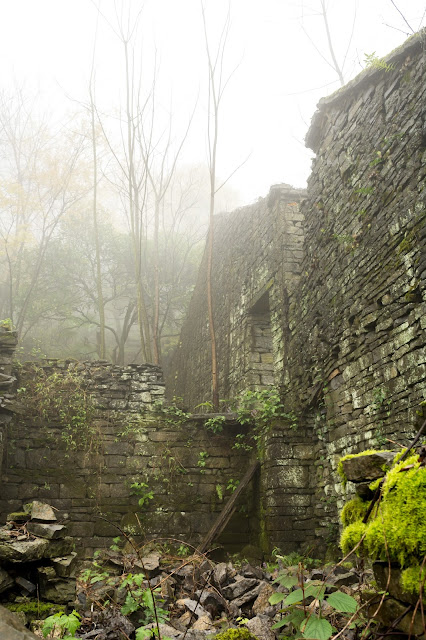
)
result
[(256, 266), (130, 440)]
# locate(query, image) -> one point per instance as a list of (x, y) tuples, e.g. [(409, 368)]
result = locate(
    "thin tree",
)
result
[(216, 88)]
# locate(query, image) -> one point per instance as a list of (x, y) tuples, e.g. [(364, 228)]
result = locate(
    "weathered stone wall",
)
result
[(8, 342), (256, 266), (357, 341), (347, 314), (185, 466)]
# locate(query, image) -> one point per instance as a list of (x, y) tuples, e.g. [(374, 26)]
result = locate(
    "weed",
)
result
[(63, 624), (140, 489)]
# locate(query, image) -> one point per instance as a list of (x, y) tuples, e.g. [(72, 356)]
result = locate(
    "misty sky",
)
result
[(47, 46)]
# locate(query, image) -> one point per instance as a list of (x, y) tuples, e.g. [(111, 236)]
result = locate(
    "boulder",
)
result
[(11, 628)]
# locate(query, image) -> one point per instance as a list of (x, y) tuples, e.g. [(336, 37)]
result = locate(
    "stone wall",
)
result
[(256, 265), (131, 441), (345, 302), (8, 341), (357, 342)]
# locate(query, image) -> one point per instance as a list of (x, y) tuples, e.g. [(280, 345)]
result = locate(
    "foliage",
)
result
[(201, 462), (304, 622), (65, 624), (232, 485), (173, 413), (63, 397), (373, 61), (215, 424), (141, 489), (261, 408)]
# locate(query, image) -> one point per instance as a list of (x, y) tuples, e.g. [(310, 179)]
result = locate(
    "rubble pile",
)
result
[(195, 597), (37, 558)]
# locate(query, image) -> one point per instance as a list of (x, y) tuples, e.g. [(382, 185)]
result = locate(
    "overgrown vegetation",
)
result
[(61, 398)]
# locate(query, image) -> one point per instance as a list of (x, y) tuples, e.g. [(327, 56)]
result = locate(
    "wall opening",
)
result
[(261, 369)]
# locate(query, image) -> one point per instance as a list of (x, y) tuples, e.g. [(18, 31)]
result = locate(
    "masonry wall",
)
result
[(347, 315), (357, 355), (256, 266), (186, 467)]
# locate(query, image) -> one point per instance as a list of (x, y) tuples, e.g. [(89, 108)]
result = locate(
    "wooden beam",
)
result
[(228, 510)]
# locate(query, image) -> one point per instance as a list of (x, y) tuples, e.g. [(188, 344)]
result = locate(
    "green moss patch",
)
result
[(353, 510), (236, 634), (397, 528)]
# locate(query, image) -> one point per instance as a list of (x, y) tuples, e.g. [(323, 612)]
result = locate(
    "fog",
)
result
[(104, 115)]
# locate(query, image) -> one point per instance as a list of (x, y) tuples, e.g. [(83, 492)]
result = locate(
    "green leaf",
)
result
[(315, 589), (277, 597), (142, 633), (317, 629), (293, 597), (287, 581), (296, 618), (342, 602)]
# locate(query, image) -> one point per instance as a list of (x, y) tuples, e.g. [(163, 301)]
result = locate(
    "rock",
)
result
[(248, 596), (260, 626), (27, 587), (53, 589), (252, 572), (19, 517), (27, 551), (6, 582), (220, 574), (381, 574), (204, 623), (363, 490), (212, 602), (65, 566), (261, 604), (345, 579), (192, 606), (150, 563), (368, 466), (165, 630), (11, 628), (392, 609), (61, 547), (42, 511), (46, 530), (236, 589)]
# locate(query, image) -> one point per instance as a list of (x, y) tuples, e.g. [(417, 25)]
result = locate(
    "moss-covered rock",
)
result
[(397, 527), (236, 634)]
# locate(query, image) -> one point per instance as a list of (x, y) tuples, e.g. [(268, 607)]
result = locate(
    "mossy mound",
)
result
[(236, 634), (397, 526), (34, 609), (353, 511)]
